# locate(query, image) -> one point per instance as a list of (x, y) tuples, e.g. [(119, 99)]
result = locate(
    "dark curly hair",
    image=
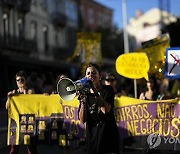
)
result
[(98, 68), (21, 74)]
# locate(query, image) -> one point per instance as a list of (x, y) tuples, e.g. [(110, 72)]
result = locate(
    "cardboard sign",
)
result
[(172, 64), (133, 65)]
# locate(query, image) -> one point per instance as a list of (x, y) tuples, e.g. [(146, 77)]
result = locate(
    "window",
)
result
[(20, 28), (44, 4), (56, 6), (99, 19), (82, 12), (60, 38), (5, 24), (71, 10), (33, 31), (90, 16), (45, 35)]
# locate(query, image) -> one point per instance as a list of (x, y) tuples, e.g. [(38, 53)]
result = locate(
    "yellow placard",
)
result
[(88, 49), (133, 65)]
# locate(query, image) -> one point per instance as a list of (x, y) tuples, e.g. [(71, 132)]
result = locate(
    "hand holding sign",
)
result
[(133, 65)]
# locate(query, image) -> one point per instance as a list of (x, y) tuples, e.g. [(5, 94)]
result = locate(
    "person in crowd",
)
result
[(54, 89), (96, 110), (151, 91), (163, 91), (175, 91), (21, 80), (111, 80), (35, 82), (48, 84)]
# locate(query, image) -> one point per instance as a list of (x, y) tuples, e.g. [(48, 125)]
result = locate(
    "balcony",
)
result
[(8, 3), (20, 45), (58, 19), (23, 5), (60, 53)]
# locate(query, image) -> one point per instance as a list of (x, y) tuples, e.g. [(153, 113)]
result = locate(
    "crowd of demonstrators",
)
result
[(159, 89), (32, 85), (96, 109), (22, 88), (154, 89)]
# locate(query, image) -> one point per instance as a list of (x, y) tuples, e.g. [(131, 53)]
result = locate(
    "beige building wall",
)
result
[(148, 26)]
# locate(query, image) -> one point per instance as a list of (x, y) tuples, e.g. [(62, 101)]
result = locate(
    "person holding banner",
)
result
[(21, 80), (151, 92), (96, 110)]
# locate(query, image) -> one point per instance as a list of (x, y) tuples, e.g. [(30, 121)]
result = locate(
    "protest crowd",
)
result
[(46, 84)]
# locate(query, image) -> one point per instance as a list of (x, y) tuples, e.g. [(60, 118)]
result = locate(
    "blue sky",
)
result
[(133, 5)]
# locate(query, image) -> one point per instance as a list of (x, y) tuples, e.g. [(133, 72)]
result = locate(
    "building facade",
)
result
[(36, 34), (147, 26), (40, 35), (94, 15)]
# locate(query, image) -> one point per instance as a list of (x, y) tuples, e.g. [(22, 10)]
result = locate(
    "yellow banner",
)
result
[(34, 119), (31, 114), (88, 49), (156, 48)]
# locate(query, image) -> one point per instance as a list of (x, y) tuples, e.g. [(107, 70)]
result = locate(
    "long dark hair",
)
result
[(155, 87)]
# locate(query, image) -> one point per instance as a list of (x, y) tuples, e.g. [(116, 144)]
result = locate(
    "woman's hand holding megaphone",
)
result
[(93, 88), (82, 98)]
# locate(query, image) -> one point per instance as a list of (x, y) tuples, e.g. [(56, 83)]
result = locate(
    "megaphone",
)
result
[(67, 89)]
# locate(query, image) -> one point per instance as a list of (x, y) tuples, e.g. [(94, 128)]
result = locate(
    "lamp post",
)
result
[(125, 36)]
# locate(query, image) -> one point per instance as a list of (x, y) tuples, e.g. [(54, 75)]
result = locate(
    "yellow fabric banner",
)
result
[(88, 49), (34, 119), (156, 48), (34, 114)]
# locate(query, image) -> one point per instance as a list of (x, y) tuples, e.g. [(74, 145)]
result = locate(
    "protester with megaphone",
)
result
[(96, 109)]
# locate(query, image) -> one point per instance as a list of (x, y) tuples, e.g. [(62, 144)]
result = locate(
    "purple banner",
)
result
[(149, 118), (74, 128)]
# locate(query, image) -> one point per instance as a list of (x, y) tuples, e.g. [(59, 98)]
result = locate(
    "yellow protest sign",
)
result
[(88, 49), (133, 65)]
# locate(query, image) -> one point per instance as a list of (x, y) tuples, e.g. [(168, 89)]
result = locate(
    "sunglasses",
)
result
[(110, 80), (18, 80)]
